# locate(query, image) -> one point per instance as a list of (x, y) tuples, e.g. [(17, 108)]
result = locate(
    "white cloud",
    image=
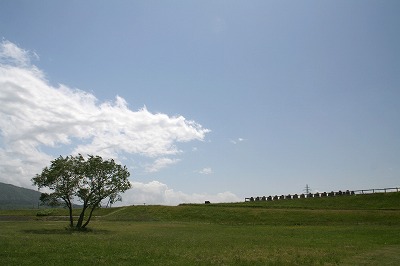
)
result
[(206, 171), (160, 163), (13, 55), (35, 114), (158, 193)]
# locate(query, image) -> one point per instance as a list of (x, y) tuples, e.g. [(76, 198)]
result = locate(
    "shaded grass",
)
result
[(54, 212)]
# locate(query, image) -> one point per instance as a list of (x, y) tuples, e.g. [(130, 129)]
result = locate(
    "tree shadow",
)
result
[(64, 231)]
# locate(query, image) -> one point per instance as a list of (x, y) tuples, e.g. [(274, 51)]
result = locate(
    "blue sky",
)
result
[(238, 98)]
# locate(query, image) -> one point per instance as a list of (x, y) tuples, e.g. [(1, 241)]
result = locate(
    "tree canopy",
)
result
[(90, 180)]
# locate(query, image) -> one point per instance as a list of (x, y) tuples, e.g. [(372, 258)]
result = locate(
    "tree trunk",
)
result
[(69, 205), (90, 216), (71, 219), (81, 216)]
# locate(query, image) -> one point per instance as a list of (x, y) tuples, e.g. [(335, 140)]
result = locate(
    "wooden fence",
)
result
[(324, 194)]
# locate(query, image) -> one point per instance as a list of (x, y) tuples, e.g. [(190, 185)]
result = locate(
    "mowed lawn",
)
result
[(207, 235)]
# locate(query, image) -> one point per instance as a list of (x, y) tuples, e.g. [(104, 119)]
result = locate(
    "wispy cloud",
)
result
[(219, 25), (13, 55), (160, 163), (238, 140), (206, 171), (35, 114)]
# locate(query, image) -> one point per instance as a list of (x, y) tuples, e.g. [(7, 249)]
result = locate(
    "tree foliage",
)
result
[(90, 180)]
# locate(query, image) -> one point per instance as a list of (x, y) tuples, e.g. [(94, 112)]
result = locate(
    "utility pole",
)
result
[(307, 189)]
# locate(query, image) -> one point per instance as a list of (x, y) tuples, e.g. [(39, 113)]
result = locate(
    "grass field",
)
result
[(262, 233)]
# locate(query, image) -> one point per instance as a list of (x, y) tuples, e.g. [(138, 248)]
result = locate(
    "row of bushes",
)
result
[(302, 196)]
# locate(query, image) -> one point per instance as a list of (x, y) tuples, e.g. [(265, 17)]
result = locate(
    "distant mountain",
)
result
[(13, 197)]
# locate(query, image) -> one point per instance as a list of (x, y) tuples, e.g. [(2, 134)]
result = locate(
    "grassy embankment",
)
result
[(354, 230)]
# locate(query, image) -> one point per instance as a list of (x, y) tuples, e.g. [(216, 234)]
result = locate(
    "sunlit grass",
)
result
[(221, 234), (255, 216), (155, 243)]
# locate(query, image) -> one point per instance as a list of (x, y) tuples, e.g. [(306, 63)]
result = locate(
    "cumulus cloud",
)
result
[(158, 193), (35, 115)]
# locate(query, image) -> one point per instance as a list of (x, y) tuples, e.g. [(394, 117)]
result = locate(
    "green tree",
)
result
[(89, 180)]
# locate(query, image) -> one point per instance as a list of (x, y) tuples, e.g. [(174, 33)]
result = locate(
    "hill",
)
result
[(13, 197), (373, 201), (361, 209), (379, 208)]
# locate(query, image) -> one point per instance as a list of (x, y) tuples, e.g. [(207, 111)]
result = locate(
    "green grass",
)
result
[(258, 233), (254, 216), (149, 243), (377, 201)]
